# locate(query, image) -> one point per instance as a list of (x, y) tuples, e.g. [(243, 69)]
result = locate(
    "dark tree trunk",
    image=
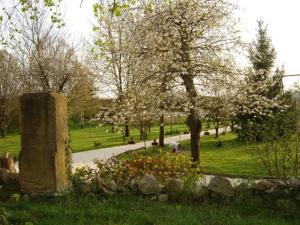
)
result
[(162, 131), (127, 130), (195, 128), (194, 122), (141, 131), (217, 129), (82, 119), (2, 122), (171, 123)]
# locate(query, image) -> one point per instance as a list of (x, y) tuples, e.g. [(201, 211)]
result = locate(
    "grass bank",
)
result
[(130, 210)]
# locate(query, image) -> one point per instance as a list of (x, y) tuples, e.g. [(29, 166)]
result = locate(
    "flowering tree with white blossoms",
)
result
[(187, 40)]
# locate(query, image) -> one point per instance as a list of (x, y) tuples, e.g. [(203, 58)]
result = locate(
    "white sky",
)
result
[(282, 17)]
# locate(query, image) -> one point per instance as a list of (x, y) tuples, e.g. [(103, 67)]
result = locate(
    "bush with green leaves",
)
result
[(3, 217), (162, 166), (280, 155)]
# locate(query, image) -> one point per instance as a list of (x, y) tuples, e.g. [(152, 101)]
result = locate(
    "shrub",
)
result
[(206, 133), (279, 155), (161, 166), (3, 217)]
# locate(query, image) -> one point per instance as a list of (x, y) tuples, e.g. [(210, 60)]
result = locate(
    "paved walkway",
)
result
[(87, 157)]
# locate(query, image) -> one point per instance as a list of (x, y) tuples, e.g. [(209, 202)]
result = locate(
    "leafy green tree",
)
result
[(267, 107)]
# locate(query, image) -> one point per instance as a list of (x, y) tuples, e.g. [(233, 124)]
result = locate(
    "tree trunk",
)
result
[(127, 130), (194, 122), (2, 122), (82, 119), (141, 131), (162, 131), (171, 123), (217, 129), (195, 128), (188, 80)]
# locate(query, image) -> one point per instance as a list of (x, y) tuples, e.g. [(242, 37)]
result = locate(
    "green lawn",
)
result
[(126, 210), (233, 158), (84, 139)]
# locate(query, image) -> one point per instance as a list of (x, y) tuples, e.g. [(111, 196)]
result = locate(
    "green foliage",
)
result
[(279, 155), (266, 86), (3, 216), (130, 210), (15, 197), (281, 124), (262, 54), (161, 166)]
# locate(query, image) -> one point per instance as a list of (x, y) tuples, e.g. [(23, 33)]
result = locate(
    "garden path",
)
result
[(86, 158)]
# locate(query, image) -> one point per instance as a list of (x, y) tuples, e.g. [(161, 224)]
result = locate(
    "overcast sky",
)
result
[(282, 17)]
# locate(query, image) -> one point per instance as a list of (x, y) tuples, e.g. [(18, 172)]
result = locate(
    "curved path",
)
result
[(87, 158)]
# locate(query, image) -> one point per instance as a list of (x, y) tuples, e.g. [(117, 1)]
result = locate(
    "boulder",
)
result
[(222, 186), (262, 185), (200, 188), (294, 183), (174, 185), (163, 198), (148, 185), (133, 185), (274, 190)]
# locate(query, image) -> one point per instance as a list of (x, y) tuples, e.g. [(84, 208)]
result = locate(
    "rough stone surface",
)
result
[(133, 185), (174, 185), (221, 185), (294, 183), (163, 198), (262, 185), (148, 185), (200, 188), (44, 134)]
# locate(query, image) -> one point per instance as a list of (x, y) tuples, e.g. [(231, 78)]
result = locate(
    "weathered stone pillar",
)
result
[(44, 133)]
